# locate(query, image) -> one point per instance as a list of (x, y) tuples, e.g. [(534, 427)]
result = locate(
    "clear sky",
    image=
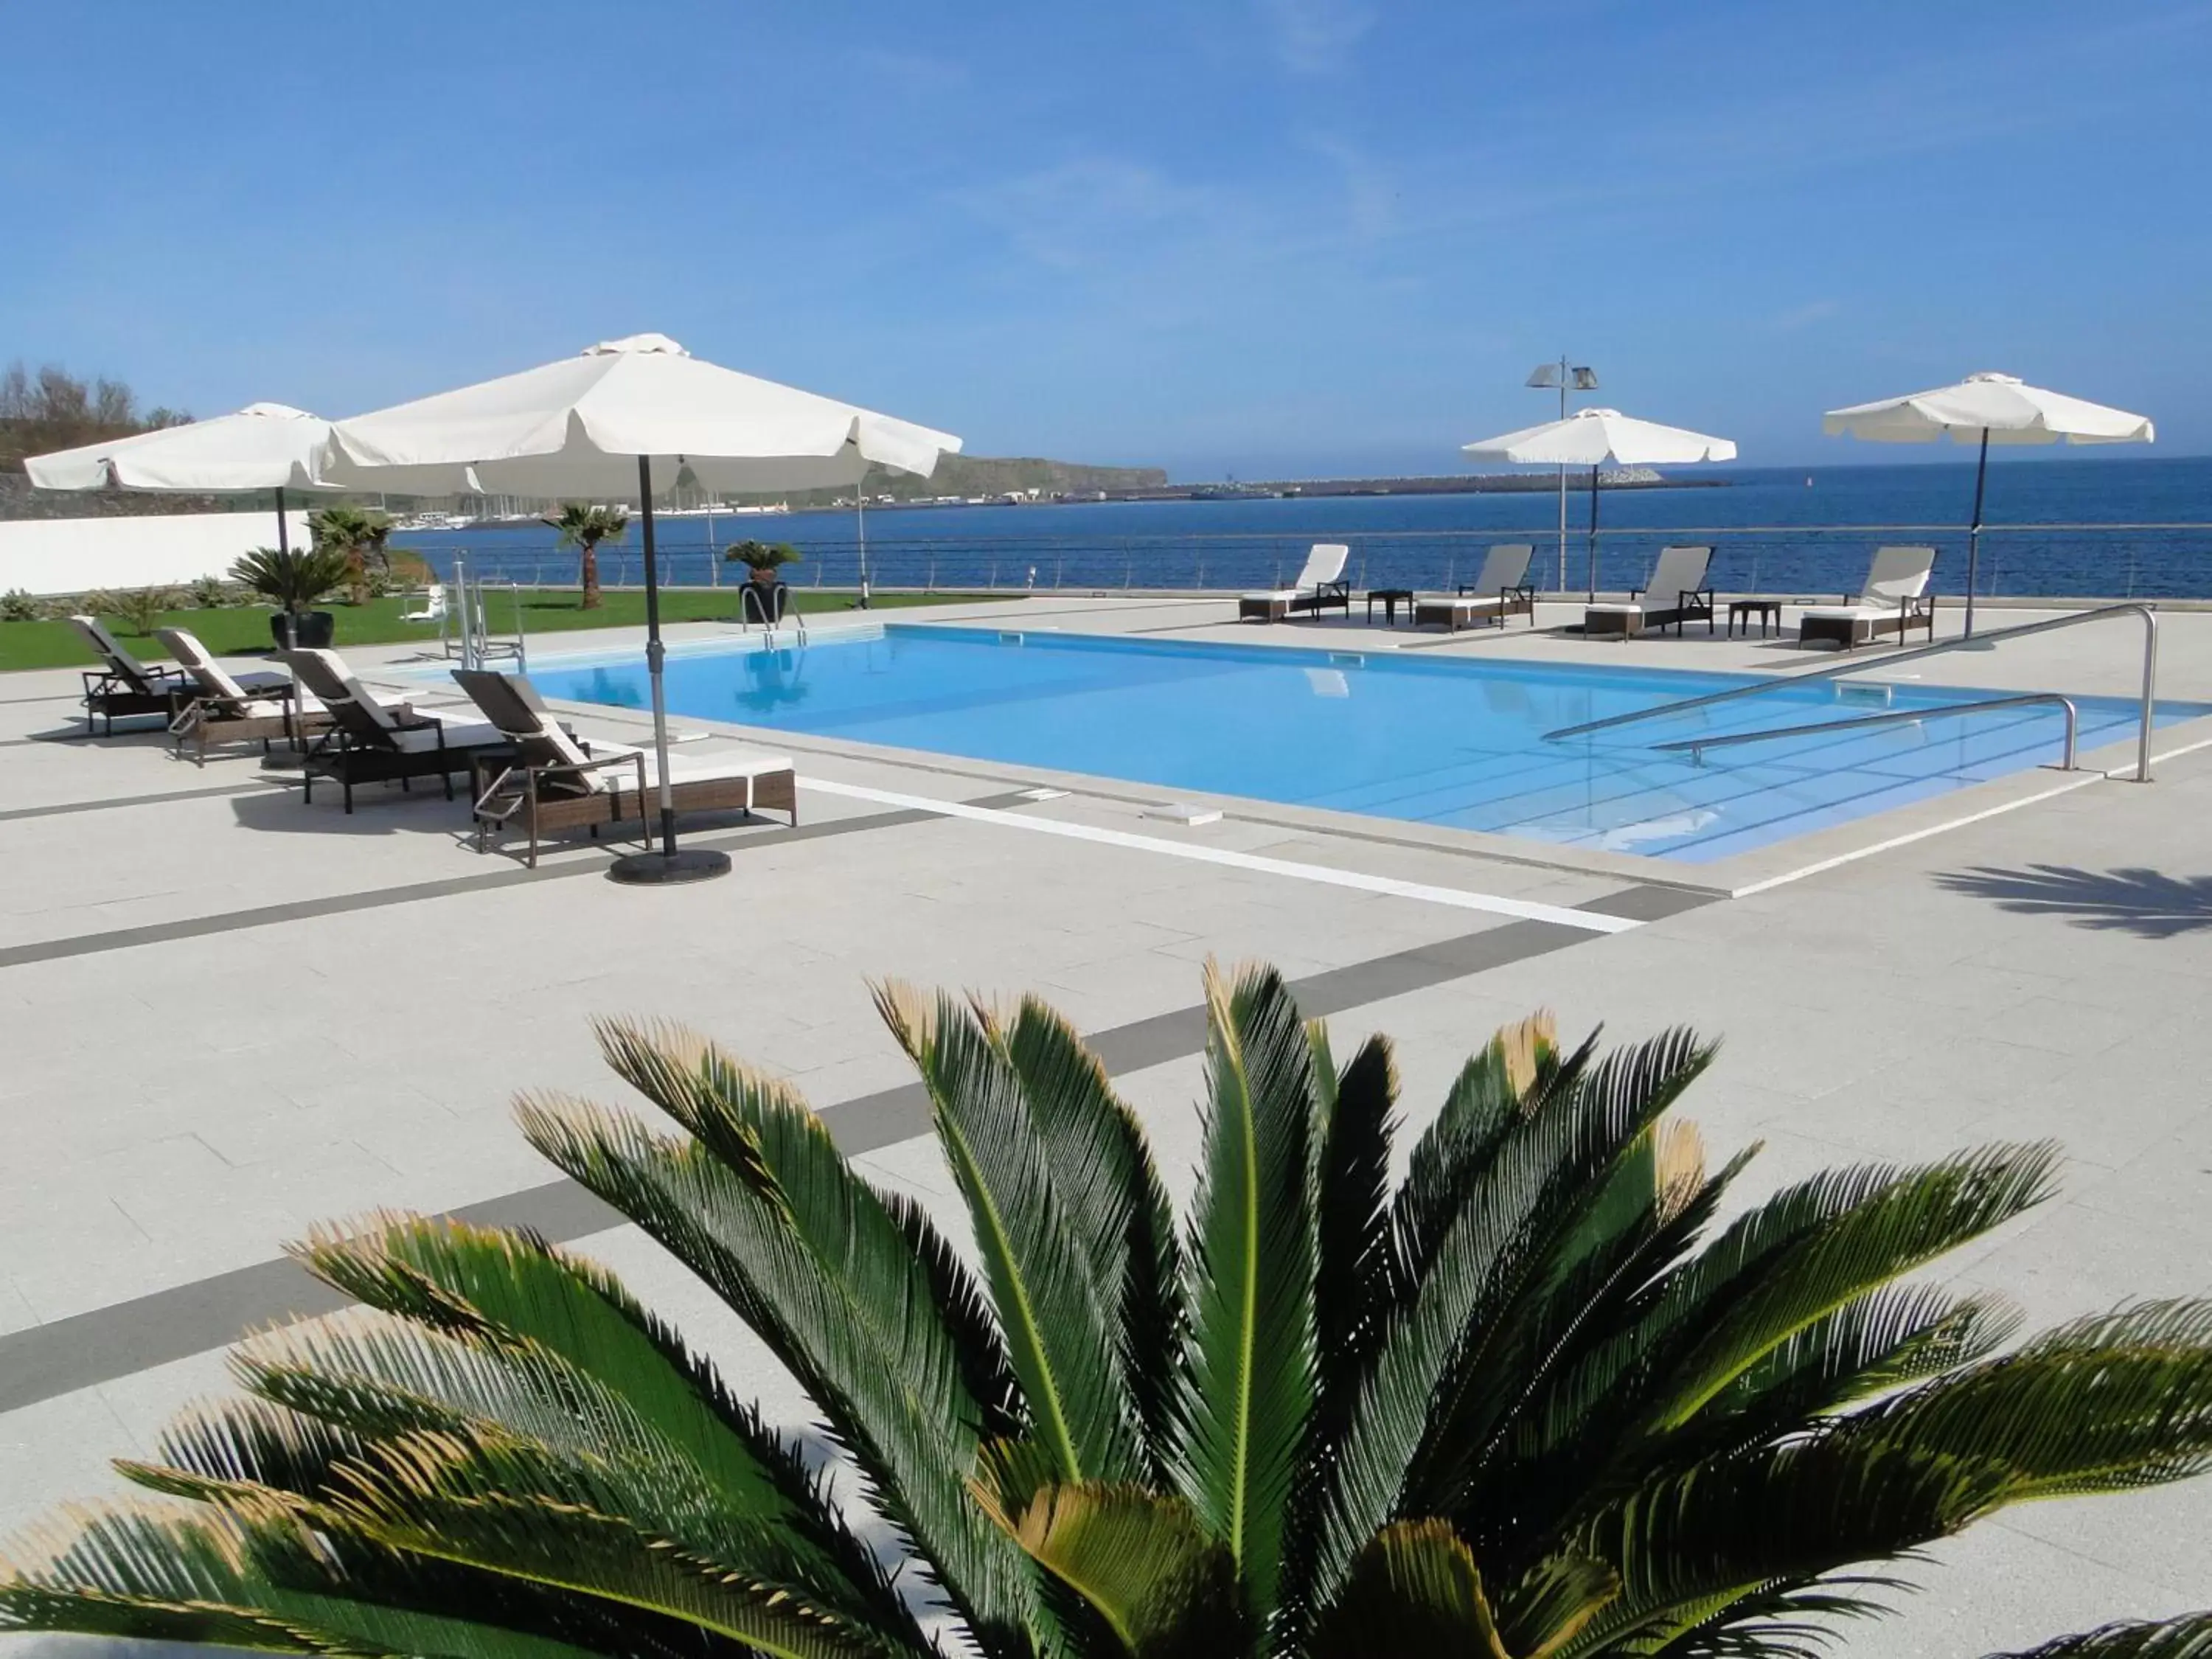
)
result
[(1278, 238)]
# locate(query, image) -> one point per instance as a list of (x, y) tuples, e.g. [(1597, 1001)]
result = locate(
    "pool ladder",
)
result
[(1699, 745)]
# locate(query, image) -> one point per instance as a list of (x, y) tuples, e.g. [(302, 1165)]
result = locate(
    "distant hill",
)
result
[(984, 475)]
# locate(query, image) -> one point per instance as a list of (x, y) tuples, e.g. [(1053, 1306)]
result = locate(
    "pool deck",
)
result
[(228, 1016)]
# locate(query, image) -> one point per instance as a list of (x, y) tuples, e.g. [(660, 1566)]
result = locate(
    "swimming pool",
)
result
[(1455, 743)]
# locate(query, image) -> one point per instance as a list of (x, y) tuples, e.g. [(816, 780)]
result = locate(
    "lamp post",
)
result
[(1565, 377)]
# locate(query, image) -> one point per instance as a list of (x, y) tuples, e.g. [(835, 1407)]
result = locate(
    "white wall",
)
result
[(68, 556)]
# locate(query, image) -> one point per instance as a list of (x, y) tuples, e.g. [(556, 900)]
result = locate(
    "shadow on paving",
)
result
[(2146, 902)]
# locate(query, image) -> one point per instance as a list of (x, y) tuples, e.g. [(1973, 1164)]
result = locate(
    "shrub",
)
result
[(16, 606), (1530, 1399), (212, 593), (141, 609)]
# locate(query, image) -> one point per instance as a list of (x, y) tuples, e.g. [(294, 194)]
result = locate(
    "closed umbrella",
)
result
[(595, 424), (1592, 437), (262, 447), (1995, 408)]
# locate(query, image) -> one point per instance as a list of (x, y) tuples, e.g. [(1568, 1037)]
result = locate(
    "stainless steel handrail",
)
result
[(2149, 614), (1697, 746)]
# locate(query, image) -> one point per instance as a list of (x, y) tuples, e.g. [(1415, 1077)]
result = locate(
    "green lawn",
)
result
[(246, 631)]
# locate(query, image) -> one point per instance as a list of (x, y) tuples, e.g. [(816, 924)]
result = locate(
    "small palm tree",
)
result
[(291, 578), (357, 535), (1529, 1402), (584, 527)]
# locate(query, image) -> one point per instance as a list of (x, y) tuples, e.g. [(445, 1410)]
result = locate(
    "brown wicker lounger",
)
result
[(223, 711), (368, 743), (557, 781)]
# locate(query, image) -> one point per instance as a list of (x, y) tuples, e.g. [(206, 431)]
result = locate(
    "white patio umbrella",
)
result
[(1590, 438), (262, 447), (1995, 408), (594, 425)]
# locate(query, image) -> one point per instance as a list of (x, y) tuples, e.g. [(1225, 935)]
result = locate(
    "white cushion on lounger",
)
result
[(1617, 609), (1274, 594), (458, 734), (705, 770), (1853, 612)]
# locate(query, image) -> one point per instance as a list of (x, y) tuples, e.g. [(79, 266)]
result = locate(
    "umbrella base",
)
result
[(657, 869)]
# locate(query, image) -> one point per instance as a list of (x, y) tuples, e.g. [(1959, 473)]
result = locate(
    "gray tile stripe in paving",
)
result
[(212, 792), (269, 915), (58, 697), (106, 1343)]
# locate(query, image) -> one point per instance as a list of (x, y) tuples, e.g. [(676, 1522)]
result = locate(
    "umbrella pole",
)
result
[(1974, 531), (694, 864), (860, 518), (283, 535), (1593, 535)]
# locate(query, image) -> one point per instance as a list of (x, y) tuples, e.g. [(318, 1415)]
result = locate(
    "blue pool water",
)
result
[(1458, 743)]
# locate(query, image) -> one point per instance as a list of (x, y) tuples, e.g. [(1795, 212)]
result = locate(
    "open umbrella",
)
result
[(262, 447), (595, 424), (1590, 438), (1997, 409)]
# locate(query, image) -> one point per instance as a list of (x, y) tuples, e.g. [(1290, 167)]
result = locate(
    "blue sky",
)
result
[(1279, 238)]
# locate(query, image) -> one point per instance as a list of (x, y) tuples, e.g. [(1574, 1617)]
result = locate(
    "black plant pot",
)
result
[(315, 630)]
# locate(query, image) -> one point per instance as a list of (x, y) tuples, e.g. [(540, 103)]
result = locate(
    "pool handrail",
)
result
[(1697, 746), (2021, 630)]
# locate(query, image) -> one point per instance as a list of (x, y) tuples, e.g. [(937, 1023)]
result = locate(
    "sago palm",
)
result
[(1531, 1401), (583, 527)]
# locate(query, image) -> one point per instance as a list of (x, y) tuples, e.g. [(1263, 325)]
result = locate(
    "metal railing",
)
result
[(1979, 641), (1697, 746)]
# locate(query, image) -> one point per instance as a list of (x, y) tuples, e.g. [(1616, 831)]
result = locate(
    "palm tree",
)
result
[(584, 527), (1530, 1401), (358, 534)]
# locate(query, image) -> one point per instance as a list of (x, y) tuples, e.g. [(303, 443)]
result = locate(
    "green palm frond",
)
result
[(2188, 1637), (1548, 1165), (516, 1295), (1414, 1588), (1054, 1297), (1355, 1282), (765, 1131), (209, 1577), (1249, 1383), (1498, 1087), (1103, 1173), (506, 1510), (1689, 1548), (2108, 1404), (1838, 1238), (1143, 1569), (869, 1352)]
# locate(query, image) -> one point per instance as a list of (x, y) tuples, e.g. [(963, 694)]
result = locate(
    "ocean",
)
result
[(2100, 526)]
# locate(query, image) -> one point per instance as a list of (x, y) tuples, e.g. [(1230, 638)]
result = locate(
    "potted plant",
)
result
[(292, 579), (763, 559)]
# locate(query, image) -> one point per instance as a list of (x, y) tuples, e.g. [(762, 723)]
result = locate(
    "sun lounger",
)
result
[(1499, 589), (560, 781), (1318, 586), (123, 686), (1676, 594), (223, 710), (370, 741), (1894, 601)]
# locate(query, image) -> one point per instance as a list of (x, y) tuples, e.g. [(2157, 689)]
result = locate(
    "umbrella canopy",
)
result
[(578, 427), (2005, 407), (262, 447), (1988, 408), (595, 425), (1590, 438)]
